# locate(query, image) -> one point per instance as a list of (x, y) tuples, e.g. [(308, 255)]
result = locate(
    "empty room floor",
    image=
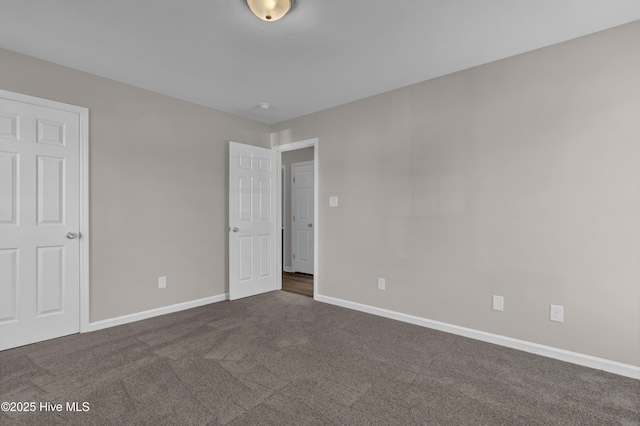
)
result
[(283, 359), (297, 283)]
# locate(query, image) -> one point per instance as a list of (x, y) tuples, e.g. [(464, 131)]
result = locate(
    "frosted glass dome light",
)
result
[(270, 10)]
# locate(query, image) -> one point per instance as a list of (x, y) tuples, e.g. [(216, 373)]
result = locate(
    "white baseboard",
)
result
[(126, 319), (615, 367), (289, 269)]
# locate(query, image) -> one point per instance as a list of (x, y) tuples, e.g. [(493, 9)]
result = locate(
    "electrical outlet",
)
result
[(162, 282), (556, 313), (498, 303), (381, 284)]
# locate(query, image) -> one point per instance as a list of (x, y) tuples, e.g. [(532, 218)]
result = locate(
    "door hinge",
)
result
[(294, 255), (294, 180), (294, 217)]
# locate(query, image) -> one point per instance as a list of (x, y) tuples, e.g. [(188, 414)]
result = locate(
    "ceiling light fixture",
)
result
[(270, 10)]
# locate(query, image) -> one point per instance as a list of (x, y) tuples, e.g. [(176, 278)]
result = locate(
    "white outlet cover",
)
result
[(162, 282), (333, 201), (556, 313), (381, 284)]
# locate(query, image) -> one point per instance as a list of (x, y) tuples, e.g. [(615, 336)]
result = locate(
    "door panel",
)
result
[(8, 188), (265, 256), (50, 190), (8, 284), (50, 278), (252, 220), (51, 132), (266, 193), (304, 239), (302, 211), (39, 205)]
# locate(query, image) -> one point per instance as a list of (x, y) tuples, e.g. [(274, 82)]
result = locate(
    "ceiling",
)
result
[(324, 53)]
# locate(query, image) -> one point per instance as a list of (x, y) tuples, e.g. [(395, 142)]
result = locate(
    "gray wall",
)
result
[(518, 178), (158, 189), (288, 158)]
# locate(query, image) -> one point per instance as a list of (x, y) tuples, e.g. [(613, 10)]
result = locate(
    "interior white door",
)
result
[(253, 190), (39, 223), (302, 217)]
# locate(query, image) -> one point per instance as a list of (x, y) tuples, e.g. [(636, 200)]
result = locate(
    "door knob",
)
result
[(71, 235), (310, 225), (235, 229)]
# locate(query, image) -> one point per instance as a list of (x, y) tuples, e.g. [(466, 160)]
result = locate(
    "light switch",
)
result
[(333, 201), (498, 303)]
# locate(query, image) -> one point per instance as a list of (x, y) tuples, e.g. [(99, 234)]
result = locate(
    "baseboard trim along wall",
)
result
[(288, 269), (126, 319), (522, 345)]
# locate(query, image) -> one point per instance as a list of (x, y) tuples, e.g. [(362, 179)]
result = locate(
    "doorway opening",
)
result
[(298, 203)]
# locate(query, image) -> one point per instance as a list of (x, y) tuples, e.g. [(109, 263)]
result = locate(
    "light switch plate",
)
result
[(498, 303), (333, 201)]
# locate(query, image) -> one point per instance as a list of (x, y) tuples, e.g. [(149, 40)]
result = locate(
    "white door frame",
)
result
[(83, 241), (290, 147), (283, 208)]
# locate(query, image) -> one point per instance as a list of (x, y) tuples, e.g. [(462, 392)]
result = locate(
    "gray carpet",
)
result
[(284, 359)]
